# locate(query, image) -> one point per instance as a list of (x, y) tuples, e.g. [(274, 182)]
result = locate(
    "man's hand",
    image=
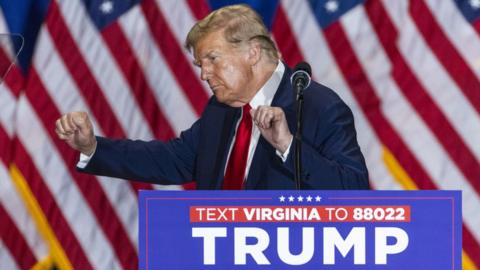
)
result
[(273, 125), (76, 129)]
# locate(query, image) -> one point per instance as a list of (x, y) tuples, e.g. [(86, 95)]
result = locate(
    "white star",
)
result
[(300, 198), (106, 7), (309, 198), (318, 198), (291, 198), (475, 4), (331, 6), (282, 198)]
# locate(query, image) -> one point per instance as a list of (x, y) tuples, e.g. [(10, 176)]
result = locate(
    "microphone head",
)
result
[(305, 67), (301, 75)]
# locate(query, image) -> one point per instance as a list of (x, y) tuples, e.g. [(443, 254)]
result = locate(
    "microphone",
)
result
[(300, 80), (301, 76)]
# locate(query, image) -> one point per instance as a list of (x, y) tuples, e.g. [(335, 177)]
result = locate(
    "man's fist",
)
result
[(273, 125), (76, 129)]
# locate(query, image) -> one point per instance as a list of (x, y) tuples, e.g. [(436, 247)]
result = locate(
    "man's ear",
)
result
[(254, 52)]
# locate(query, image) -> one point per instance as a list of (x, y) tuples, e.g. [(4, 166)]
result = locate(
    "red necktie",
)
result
[(237, 162)]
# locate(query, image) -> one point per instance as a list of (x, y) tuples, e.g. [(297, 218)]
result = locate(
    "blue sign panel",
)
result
[(303, 229)]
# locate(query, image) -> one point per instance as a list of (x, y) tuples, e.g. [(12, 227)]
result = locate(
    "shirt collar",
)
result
[(265, 95)]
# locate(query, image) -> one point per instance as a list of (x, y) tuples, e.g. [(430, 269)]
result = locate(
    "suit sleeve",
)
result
[(332, 158), (156, 162)]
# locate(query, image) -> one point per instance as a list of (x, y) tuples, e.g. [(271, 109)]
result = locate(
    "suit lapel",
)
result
[(264, 153), (217, 133)]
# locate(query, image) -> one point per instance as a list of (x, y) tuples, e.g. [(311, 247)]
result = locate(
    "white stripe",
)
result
[(180, 20), (458, 30), (125, 203), (435, 80), (16, 209), (170, 96), (6, 259), (104, 69), (7, 109), (5, 39), (403, 117), (306, 31), (64, 93), (64, 190)]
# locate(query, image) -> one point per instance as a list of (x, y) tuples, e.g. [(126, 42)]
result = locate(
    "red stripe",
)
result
[(199, 8), (476, 26), (88, 184), (446, 53), (5, 149), (14, 240), (79, 70), (285, 38), (470, 246), (419, 98), (124, 56), (174, 56), (60, 227), (13, 78), (370, 104), (4, 64)]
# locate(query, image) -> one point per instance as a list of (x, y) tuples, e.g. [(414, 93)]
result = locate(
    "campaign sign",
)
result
[(300, 229)]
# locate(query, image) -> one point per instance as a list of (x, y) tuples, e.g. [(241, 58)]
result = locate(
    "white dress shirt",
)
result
[(263, 97)]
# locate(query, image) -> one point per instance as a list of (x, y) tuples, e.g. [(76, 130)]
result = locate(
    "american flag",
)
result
[(409, 70)]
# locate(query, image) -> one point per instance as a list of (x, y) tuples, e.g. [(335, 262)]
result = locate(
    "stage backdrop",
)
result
[(409, 70)]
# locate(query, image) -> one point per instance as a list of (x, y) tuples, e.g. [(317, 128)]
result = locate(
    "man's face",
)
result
[(226, 69)]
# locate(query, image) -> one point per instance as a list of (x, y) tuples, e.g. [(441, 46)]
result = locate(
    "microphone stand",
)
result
[(298, 137)]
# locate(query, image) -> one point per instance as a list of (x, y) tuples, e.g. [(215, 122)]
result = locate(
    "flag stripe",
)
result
[(79, 70), (121, 50), (14, 240), (68, 49), (281, 30), (417, 96), (16, 208), (400, 106), (325, 70), (458, 30), (199, 8), (446, 52), (471, 247), (21, 224), (67, 196), (5, 141), (336, 37), (88, 185), (6, 258), (74, 251), (476, 25), (14, 78), (65, 95), (105, 73), (180, 20), (46, 111), (169, 94), (370, 103), (434, 78), (10, 236), (174, 55)]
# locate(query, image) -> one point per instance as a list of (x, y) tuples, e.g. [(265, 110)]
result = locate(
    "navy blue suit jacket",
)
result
[(331, 157)]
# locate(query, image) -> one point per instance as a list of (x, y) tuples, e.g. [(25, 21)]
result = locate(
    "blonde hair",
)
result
[(240, 24)]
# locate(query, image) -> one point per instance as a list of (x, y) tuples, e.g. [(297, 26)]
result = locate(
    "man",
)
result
[(243, 139)]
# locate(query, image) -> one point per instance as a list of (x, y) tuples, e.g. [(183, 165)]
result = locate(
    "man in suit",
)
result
[(243, 140)]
